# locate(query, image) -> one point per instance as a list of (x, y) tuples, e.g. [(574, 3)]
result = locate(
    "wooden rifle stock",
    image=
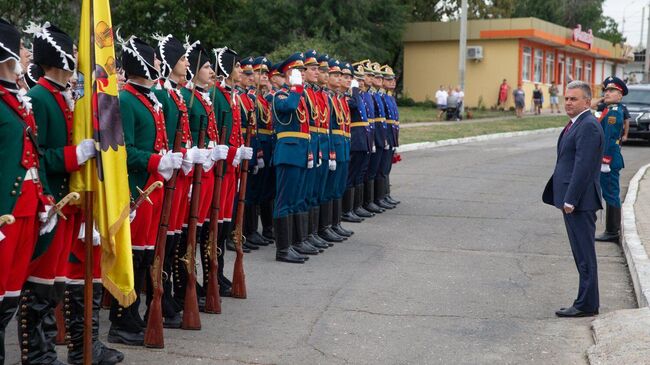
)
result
[(238, 276), (212, 296), (153, 334), (191, 317)]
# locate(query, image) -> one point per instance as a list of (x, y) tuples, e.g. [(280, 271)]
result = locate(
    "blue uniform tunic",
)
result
[(612, 122)]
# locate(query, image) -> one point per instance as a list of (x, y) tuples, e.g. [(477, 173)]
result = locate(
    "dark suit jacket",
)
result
[(577, 170)]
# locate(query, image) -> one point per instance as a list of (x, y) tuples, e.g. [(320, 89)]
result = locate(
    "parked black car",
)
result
[(638, 104)]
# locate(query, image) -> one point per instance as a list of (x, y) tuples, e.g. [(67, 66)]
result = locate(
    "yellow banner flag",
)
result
[(97, 116)]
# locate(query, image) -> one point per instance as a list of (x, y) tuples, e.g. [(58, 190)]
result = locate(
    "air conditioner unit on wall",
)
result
[(474, 52)]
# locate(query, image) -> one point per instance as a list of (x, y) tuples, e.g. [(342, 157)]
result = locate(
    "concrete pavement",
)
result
[(469, 269)]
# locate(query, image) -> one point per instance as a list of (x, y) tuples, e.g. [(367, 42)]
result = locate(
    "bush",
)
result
[(405, 101)]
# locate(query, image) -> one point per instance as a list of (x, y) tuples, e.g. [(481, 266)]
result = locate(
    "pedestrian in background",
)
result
[(503, 94), (553, 92), (520, 100), (441, 101), (538, 99)]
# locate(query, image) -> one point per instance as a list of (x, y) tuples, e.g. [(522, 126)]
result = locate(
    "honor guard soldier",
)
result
[(367, 189), (387, 153), (266, 179), (392, 132), (201, 109), (360, 148), (291, 158), (174, 64), (314, 179), (148, 161), (227, 103), (248, 99), (53, 106), (343, 159), (612, 121), (22, 200)]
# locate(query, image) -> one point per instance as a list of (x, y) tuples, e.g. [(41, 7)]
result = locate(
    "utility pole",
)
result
[(646, 65), (642, 26), (462, 48)]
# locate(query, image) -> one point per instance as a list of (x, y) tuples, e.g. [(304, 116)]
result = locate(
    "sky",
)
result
[(631, 11)]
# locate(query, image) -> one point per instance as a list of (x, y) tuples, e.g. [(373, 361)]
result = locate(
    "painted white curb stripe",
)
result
[(635, 254), (484, 137)]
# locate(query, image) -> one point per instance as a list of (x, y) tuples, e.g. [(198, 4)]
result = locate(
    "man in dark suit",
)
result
[(574, 188)]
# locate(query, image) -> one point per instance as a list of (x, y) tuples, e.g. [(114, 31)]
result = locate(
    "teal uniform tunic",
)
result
[(612, 123)]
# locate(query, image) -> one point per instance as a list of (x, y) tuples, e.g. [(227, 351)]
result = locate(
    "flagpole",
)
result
[(88, 237)]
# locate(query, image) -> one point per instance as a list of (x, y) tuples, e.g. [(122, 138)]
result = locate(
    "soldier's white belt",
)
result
[(31, 174)]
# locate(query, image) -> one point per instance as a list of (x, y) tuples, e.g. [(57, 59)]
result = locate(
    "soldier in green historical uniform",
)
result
[(612, 121), (21, 184), (148, 161)]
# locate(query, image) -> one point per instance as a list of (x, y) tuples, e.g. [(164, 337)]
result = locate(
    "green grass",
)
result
[(416, 114), (467, 129)]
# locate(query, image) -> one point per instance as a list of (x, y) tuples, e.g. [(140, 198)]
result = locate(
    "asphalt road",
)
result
[(469, 269)]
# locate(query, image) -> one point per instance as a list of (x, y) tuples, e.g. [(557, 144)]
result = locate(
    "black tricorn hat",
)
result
[(9, 42), (33, 74), (225, 61), (52, 46), (138, 58), (170, 50), (196, 55)]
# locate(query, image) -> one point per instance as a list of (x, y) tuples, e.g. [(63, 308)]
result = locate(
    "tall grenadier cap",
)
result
[(9, 42), (138, 58), (52, 46), (225, 61), (170, 50)]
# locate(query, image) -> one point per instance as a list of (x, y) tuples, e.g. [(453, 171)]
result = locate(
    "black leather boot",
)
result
[(313, 237), (325, 224), (252, 223), (266, 216), (8, 308), (389, 198), (369, 198), (225, 285), (171, 310), (127, 326), (230, 245), (36, 311), (358, 203), (380, 194), (74, 300), (300, 244), (336, 220), (348, 207), (179, 276), (282, 227), (612, 225)]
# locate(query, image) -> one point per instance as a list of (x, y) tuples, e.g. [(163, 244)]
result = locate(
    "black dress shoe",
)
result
[(391, 200), (340, 231), (374, 208), (230, 246), (172, 322), (574, 312), (363, 213), (317, 243), (225, 291), (329, 235), (257, 239), (384, 204), (298, 254), (305, 249), (289, 256), (127, 338), (350, 217), (316, 238), (250, 246)]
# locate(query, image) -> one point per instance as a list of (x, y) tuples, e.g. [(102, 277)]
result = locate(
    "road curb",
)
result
[(635, 254), (485, 137)]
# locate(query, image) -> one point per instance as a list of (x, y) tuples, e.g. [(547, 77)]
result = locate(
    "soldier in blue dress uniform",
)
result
[(291, 158), (612, 120), (392, 121)]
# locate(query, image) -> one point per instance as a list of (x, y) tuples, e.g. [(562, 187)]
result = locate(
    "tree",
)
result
[(20, 13)]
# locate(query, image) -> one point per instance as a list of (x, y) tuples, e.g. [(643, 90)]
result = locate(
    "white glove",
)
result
[(168, 163), (237, 159), (354, 83), (604, 168), (2, 236), (208, 164), (246, 153), (131, 216), (256, 169), (295, 78), (332, 165), (96, 236), (260, 163), (47, 225), (85, 151), (193, 156), (219, 153)]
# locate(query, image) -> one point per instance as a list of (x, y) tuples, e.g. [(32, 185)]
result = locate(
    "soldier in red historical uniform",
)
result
[(21, 183)]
